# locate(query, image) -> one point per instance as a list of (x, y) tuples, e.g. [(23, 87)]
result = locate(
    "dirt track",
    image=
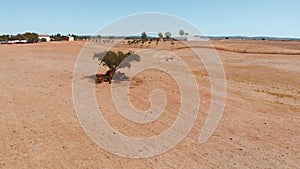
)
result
[(39, 128)]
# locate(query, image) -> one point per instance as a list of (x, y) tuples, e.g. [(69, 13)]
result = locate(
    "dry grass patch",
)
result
[(280, 95), (200, 73), (258, 47)]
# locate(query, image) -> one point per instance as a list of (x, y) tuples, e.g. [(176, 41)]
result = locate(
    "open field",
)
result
[(260, 127), (258, 46)]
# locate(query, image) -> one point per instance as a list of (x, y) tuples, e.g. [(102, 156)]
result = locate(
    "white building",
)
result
[(42, 36), (16, 41), (193, 38), (181, 38), (190, 38), (71, 38)]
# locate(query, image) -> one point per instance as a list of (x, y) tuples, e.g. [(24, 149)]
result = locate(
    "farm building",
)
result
[(190, 38), (16, 41), (181, 38), (67, 38), (46, 37)]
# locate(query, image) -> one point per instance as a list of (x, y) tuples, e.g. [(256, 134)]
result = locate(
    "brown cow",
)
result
[(100, 78), (109, 75)]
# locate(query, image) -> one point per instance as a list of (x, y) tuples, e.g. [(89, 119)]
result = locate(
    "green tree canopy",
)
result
[(160, 35), (168, 35), (31, 37), (181, 32), (20, 37), (43, 40), (143, 35), (4, 37), (116, 60), (56, 37)]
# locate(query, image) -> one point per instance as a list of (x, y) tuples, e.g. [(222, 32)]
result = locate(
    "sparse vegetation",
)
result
[(160, 35), (143, 36), (168, 35), (280, 95), (200, 73), (181, 32)]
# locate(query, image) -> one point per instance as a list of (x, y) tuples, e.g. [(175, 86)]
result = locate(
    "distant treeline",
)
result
[(253, 38), (143, 36), (30, 37)]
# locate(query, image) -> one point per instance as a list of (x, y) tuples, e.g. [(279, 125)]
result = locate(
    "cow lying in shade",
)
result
[(109, 75)]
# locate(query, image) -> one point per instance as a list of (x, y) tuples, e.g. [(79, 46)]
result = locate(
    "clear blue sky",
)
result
[(280, 18)]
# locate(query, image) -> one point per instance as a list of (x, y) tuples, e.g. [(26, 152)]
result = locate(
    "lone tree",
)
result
[(181, 32), (168, 35), (116, 60), (160, 35), (143, 36)]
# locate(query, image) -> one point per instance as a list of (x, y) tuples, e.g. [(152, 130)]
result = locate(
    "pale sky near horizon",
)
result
[(277, 18)]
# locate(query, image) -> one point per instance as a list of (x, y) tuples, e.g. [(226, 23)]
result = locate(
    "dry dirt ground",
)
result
[(260, 127)]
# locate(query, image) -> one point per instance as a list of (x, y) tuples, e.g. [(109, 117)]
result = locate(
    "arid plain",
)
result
[(260, 127)]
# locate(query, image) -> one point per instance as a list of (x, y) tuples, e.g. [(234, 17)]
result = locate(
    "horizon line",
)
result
[(209, 36)]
